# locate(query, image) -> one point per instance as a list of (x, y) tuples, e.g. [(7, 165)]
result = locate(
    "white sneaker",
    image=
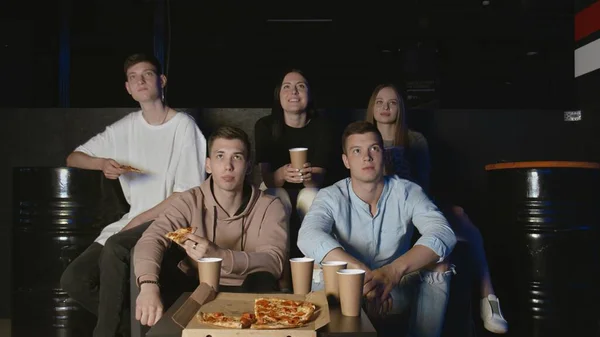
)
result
[(491, 314)]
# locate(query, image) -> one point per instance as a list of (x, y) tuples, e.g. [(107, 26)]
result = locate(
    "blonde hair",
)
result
[(401, 134)]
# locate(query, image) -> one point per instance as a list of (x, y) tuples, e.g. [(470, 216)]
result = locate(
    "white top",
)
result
[(172, 156)]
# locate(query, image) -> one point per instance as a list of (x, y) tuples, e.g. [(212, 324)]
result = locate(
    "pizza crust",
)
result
[(273, 326)]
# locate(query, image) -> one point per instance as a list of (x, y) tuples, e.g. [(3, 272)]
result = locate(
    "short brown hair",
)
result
[(360, 128), (231, 133), (134, 59)]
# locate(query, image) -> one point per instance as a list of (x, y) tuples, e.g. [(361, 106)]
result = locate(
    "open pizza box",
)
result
[(205, 299)]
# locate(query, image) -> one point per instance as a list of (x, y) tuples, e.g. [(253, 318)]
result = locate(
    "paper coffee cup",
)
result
[(330, 269), (350, 283), (298, 157), (302, 272), (209, 271)]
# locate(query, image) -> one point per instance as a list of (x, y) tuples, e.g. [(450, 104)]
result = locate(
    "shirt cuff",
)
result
[(434, 244), (322, 249)]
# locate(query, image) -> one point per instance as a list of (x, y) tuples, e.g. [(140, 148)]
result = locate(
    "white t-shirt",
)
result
[(172, 156)]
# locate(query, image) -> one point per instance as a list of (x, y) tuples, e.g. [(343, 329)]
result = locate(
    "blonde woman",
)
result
[(407, 155)]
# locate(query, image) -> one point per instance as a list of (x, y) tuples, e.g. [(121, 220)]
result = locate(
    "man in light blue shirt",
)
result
[(368, 220)]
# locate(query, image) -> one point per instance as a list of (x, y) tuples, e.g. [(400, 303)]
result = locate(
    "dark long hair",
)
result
[(277, 109)]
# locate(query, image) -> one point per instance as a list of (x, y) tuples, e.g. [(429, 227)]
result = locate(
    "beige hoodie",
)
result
[(262, 246)]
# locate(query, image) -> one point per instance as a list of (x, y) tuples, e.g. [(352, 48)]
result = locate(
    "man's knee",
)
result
[(68, 280), (441, 276), (116, 248)]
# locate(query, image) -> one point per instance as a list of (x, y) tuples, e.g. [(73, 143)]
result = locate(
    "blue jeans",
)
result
[(425, 293)]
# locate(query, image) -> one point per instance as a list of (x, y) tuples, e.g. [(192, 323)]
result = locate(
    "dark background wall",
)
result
[(511, 54)]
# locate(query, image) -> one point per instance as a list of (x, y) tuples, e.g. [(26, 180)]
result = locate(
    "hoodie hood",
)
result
[(249, 198), (251, 195)]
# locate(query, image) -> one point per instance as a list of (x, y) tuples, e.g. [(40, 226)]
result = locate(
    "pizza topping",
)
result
[(221, 320), (261, 303), (269, 313), (279, 313)]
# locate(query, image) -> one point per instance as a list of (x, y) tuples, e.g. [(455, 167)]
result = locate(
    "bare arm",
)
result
[(110, 168), (81, 160), (416, 258)]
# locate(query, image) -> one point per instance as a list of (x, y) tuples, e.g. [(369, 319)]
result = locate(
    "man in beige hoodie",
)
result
[(231, 220)]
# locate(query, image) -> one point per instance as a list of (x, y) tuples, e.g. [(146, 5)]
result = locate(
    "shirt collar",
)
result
[(359, 203)]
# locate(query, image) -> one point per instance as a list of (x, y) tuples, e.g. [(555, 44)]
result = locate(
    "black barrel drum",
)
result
[(544, 246), (58, 212)]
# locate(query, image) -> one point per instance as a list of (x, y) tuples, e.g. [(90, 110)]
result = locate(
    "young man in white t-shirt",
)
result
[(168, 147)]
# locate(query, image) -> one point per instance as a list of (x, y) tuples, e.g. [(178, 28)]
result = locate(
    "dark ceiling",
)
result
[(463, 54)]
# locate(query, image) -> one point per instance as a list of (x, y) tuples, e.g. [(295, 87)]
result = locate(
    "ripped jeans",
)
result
[(425, 293)]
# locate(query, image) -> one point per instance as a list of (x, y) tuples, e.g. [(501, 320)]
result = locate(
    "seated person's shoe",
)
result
[(492, 315)]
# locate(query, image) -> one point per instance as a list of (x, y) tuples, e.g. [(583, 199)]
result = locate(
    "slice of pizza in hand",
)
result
[(276, 313), (221, 320), (180, 235)]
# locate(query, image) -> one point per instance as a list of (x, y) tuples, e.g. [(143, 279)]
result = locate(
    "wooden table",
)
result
[(339, 325)]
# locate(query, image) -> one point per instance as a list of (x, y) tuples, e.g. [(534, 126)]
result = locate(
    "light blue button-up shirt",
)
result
[(339, 218)]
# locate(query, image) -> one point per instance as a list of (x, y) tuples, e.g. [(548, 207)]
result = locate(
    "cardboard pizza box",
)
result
[(205, 299)]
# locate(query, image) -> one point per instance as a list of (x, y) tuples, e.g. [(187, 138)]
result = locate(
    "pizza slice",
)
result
[(179, 236), (221, 320), (276, 313), (131, 169)]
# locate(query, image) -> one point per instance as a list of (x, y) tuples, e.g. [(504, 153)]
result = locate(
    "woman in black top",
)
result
[(407, 155), (293, 122)]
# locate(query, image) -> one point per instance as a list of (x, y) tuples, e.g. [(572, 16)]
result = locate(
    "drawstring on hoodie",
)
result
[(242, 245)]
